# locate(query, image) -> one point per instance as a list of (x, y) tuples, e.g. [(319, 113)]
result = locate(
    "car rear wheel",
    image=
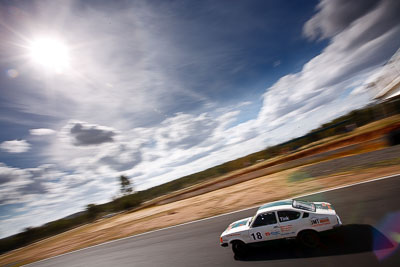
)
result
[(239, 248), (309, 239)]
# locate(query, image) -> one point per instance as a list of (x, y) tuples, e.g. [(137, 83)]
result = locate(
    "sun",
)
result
[(50, 53)]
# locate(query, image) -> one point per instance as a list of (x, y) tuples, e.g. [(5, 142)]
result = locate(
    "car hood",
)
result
[(237, 226)]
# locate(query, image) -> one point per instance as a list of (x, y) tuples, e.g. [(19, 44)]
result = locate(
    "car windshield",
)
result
[(251, 220), (303, 205)]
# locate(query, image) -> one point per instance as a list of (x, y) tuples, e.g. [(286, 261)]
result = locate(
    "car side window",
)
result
[(265, 219), (288, 215)]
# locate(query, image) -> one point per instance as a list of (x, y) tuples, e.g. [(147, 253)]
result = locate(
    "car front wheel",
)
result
[(239, 248)]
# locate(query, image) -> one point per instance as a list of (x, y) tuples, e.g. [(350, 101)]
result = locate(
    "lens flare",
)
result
[(12, 73), (390, 227)]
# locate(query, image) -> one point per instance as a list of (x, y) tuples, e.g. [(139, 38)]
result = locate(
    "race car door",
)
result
[(265, 227), (289, 222)]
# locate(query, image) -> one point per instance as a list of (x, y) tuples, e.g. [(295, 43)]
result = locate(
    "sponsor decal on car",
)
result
[(327, 205), (233, 235), (287, 233), (286, 228), (324, 206), (319, 222), (272, 233), (324, 220)]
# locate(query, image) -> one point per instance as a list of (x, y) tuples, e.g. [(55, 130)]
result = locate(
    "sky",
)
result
[(156, 90)]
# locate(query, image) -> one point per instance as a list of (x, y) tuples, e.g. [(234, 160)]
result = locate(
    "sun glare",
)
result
[(51, 54)]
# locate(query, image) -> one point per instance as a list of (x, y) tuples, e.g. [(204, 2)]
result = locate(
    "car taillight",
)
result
[(220, 240)]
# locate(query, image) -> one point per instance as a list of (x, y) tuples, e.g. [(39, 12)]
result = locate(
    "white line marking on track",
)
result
[(220, 215)]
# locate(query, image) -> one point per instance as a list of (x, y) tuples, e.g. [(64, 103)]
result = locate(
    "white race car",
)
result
[(281, 219)]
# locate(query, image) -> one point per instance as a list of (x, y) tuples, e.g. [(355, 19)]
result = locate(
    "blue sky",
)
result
[(156, 90)]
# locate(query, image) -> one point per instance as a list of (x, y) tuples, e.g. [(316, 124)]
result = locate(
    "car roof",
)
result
[(272, 206)]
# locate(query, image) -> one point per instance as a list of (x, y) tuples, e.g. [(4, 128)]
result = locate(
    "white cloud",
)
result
[(15, 146), (244, 103), (41, 131), (277, 63), (334, 16), (356, 50), (12, 176), (184, 131)]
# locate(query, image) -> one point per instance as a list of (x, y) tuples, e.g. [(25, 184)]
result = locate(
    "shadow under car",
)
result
[(347, 239)]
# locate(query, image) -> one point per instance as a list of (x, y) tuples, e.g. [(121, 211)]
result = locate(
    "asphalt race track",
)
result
[(370, 213)]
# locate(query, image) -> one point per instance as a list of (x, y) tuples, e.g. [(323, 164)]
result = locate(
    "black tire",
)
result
[(309, 239), (239, 248)]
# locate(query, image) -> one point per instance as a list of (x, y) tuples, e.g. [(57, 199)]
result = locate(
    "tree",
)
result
[(126, 186), (92, 210)]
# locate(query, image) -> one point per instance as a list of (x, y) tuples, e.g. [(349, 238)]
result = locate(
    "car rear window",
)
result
[(303, 205)]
